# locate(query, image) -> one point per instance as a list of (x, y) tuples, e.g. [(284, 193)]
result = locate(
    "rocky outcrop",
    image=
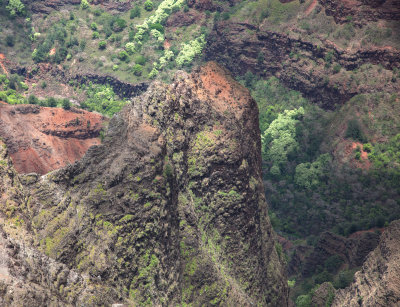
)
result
[(169, 209), (42, 139), (377, 283), (47, 70), (361, 11), (353, 251), (298, 63), (47, 6)]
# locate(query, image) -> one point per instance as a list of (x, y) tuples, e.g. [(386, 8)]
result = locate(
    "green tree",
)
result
[(102, 45), (66, 104), (51, 102), (32, 99), (279, 140), (148, 5), (135, 12), (15, 7), (137, 69)]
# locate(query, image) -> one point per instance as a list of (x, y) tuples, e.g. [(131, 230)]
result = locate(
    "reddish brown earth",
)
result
[(41, 139)]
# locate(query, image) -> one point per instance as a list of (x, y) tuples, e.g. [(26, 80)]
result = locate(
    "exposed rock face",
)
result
[(42, 139), (378, 282), (170, 208), (238, 46), (47, 6), (353, 251), (362, 11), (323, 296)]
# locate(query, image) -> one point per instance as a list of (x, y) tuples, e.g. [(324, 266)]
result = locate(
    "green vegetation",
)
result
[(307, 189), (101, 98)]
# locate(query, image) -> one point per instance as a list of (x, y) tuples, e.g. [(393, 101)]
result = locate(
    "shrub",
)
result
[(66, 104), (333, 263), (157, 26), (135, 12), (84, 4), (98, 12), (102, 45), (137, 69), (130, 48), (368, 147), (148, 5), (93, 26), (32, 99), (118, 25), (95, 35), (140, 59), (43, 84), (51, 102), (10, 40), (15, 7), (123, 55), (336, 68), (354, 131)]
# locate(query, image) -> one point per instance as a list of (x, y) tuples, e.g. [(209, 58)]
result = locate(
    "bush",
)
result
[(333, 263), (130, 47), (137, 69), (123, 55), (43, 85), (336, 68), (95, 35), (354, 131), (148, 5), (15, 7), (66, 104), (32, 99), (102, 45), (10, 41), (51, 102), (344, 279), (93, 26), (157, 26), (84, 4), (135, 12), (367, 147), (118, 25), (140, 59)]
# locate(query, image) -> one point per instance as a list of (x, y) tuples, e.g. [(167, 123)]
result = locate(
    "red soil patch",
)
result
[(219, 87), (2, 59), (41, 139), (167, 44), (311, 7)]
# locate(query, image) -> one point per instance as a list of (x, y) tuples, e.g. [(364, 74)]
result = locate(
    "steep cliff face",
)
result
[(169, 209), (378, 283), (41, 139), (300, 63), (362, 11)]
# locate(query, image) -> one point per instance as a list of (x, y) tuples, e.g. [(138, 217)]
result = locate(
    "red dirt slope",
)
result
[(41, 139)]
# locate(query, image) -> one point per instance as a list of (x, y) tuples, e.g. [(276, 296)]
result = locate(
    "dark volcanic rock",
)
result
[(362, 11), (353, 251), (378, 282), (170, 209), (237, 45)]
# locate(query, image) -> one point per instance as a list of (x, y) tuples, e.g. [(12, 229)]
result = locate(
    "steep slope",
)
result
[(170, 208), (41, 139), (378, 283)]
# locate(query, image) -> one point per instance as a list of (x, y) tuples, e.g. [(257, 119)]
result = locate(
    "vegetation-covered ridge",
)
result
[(170, 209)]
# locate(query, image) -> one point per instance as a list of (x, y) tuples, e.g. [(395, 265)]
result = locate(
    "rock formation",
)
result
[(168, 210), (41, 139), (378, 282)]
